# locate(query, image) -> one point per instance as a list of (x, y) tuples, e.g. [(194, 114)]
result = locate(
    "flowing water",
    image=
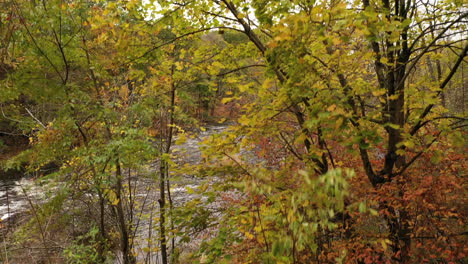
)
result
[(145, 242), (14, 196), (17, 195)]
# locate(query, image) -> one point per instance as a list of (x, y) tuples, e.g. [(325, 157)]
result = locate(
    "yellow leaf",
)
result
[(379, 92), (226, 100), (408, 143), (336, 41), (179, 66), (400, 152), (272, 44), (283, 36), (181, 139), (243, 87), (249, 235), (221, 120), (384, 244)]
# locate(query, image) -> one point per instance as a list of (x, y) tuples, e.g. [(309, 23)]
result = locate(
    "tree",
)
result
[(342, 110), (350, 67), (94, 135)]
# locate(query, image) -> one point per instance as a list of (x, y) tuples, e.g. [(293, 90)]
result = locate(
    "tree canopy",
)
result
[(342, 138)]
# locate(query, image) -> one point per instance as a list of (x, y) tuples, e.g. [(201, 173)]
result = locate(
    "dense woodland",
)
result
[(341, 130)]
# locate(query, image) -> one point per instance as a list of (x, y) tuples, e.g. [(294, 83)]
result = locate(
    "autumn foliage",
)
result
[(341, 125)]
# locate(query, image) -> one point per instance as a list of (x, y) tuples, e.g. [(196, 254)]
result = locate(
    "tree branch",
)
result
[(240, 68), (35, 118), (146, 53), (428, 109)]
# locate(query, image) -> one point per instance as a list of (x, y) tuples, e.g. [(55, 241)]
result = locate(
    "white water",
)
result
[(17, 195), (12, 197)]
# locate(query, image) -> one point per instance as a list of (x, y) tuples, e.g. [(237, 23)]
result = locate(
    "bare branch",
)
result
[(428, 109), (35, 118), (146, 53)]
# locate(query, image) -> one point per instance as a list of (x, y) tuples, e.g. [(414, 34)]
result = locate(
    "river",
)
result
[(17, 195), (14, 196)]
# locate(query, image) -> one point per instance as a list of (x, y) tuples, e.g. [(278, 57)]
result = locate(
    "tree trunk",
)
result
[(164, 173), (162, 211), (127, 255)]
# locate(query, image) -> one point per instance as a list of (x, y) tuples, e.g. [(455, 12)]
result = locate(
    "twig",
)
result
[(238, 164), (35, 118), (36, 215), (240, 68)]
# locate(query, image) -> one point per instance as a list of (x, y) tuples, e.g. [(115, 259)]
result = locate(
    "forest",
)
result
[(233, 131)]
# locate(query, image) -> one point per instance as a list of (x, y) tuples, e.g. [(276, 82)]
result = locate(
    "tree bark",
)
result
[(162, 211), (125, 245)]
